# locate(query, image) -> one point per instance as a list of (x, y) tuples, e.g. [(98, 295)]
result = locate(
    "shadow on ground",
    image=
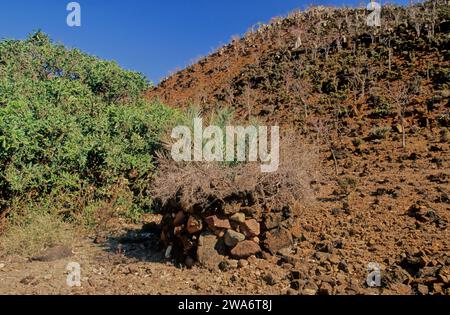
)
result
[(139, 244)]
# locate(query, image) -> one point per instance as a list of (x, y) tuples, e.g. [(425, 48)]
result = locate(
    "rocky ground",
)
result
[(396, 215)]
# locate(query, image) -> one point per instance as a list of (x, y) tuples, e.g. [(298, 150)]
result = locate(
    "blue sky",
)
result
[(149, 36)]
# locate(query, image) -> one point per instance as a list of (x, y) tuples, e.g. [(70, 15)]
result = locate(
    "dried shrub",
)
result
[(34, 230), (211, 187)]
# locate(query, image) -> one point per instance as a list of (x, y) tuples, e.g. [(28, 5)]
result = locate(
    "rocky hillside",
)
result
[(326, 61), (377, 99)]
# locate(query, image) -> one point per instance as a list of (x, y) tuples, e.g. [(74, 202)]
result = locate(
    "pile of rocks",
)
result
[(212, 211), (236, 234)]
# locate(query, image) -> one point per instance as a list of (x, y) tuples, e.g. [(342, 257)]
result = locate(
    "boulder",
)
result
[(245, 249), (215, 223), (250, 228), (238, 217), (179, 218), (194, 225), (208, 251), (232, 238)]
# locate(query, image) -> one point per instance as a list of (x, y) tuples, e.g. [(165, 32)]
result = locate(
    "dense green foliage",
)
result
[(70, 121)]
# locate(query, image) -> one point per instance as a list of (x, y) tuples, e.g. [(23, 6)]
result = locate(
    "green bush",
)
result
[(381, 107), (70, 121)]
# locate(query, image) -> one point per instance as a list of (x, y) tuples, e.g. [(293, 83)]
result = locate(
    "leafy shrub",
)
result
[(441, 77), (444, 120), (357, 142), (381, 107), (70, 122)]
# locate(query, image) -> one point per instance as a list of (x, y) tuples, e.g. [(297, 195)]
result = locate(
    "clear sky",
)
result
[(154, 37)]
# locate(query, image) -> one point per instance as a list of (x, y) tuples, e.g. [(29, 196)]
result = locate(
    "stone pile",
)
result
[(235, 233)]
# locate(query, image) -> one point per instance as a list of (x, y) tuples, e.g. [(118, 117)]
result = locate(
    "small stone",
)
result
[(179, 218), (270, 279), (194, 225), (2, 266), (321, 256), (311, 285), (267, 256), (231, 208), (232, 238), (189, 262), (309, 228), (178, 230), (375, 248), (219, 233), (277, 239), (168, 252), (295, 285), (242, 263), (444, 275), (238, 217), (233, 263), (273, 220), (422, 289), (256, 240), (287, 266), (251, 228), (297, 230), (287, 257), (290, 292), (215, 223), (334, 259), (343, 266), (309, 292), (48, 277), (326, 289), (245, 249), (295, 274), (437, 288), (401, 289), (27, 280)]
